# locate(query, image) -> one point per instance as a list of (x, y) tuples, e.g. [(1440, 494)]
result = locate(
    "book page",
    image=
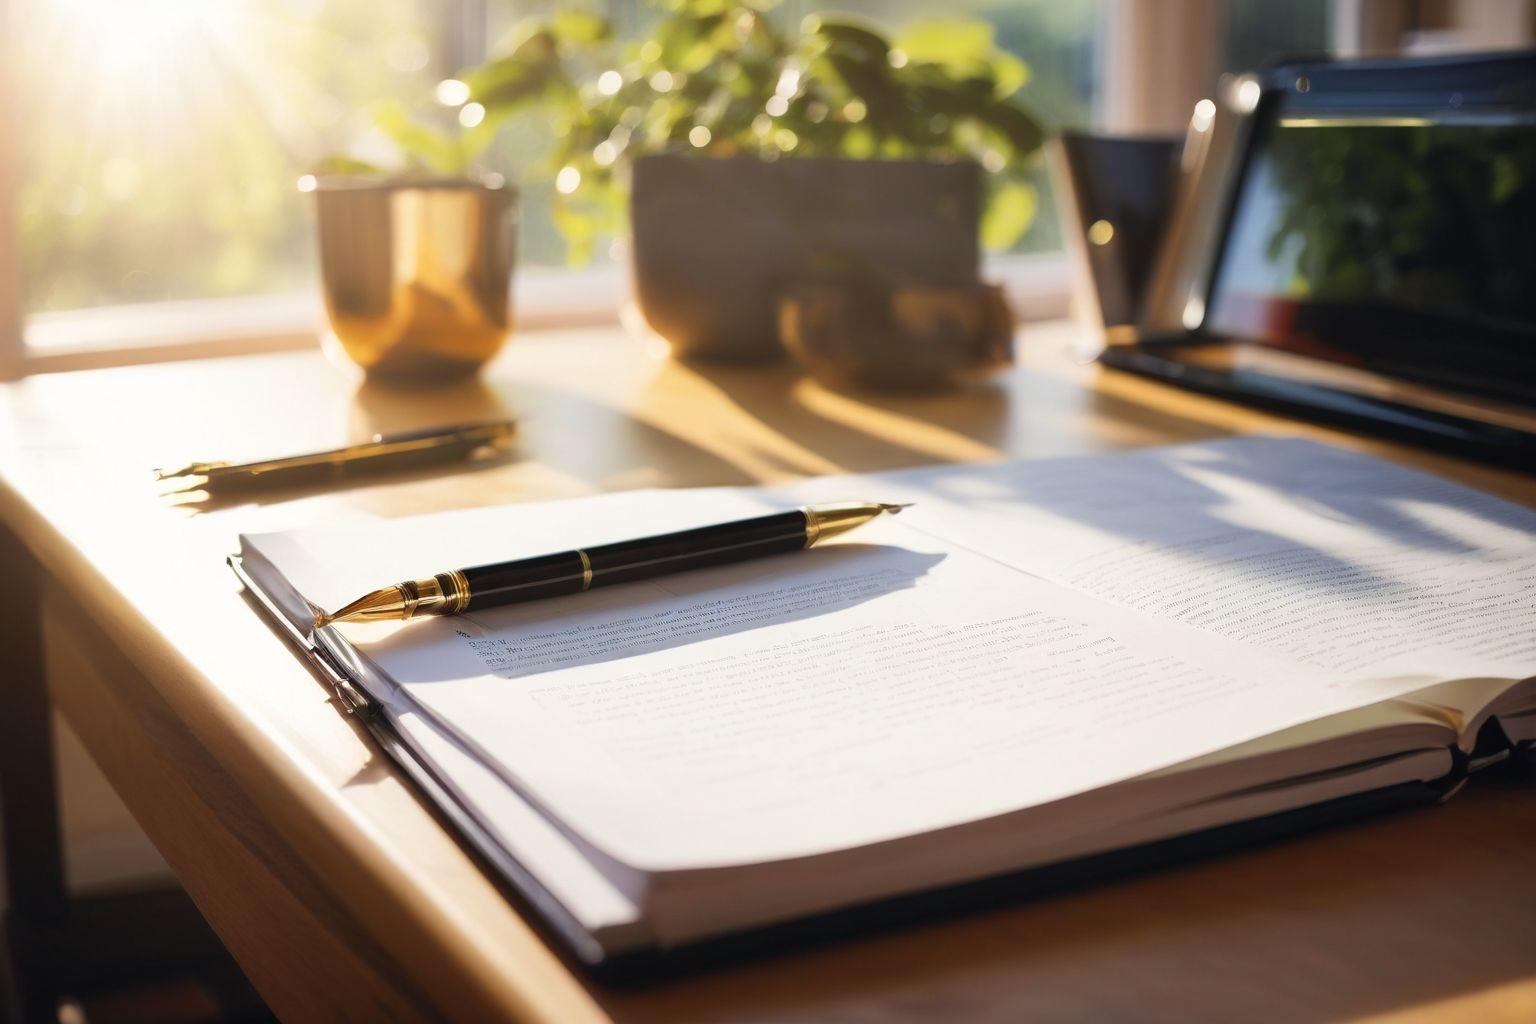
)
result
[(883, 685), (1346, 563), (980, 654)]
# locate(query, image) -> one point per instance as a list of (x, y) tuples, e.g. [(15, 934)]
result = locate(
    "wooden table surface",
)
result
[(343, 898)]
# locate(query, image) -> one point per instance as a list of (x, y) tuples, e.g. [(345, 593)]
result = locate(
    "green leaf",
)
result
[(338, 163), (1016, 125), (958, 45), (473, 142), (859, 143), (1010, 211), (849, 35), (579, 227), (697, 7), (869, 81), (422, 144), (688, 42), (527, 73), (1010, 73), (580, 27)]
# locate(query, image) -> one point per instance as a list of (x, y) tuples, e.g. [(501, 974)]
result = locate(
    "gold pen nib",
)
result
[(387, 603), (447, 593), (824, 521)]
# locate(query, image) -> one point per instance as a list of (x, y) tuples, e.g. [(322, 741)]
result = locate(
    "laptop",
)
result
[(1355, 242)]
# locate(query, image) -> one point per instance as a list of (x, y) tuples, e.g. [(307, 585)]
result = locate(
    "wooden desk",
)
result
[(343, 898)]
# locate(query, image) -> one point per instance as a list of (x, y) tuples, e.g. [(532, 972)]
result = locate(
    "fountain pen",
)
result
[(572, 572)]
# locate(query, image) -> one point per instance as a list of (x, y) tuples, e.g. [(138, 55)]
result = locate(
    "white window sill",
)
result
[(163, 331), (543, 299)]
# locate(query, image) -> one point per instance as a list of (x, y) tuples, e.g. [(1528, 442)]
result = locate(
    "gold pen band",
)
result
[(455, 588), (586, 570), (447, 593), (812, 525)]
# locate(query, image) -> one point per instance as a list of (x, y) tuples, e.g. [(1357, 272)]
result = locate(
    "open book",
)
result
[(1040, 661)]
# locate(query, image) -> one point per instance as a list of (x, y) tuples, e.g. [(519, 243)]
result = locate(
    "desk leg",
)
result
[(35, 898)]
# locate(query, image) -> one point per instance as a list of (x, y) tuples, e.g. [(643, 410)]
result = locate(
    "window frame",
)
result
[(12, 344), (543, 298)]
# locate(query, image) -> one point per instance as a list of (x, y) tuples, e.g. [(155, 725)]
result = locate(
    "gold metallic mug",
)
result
[(416, 274)]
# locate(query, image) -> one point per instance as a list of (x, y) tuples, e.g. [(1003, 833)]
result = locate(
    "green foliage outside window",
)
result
[(724, 77)]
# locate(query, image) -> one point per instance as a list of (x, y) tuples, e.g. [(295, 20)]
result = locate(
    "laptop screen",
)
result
[(1396, 240)]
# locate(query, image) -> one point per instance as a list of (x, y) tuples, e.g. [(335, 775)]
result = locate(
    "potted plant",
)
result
[(745, 157)]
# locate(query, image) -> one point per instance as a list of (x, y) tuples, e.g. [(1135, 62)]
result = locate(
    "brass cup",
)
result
[(416, 273)]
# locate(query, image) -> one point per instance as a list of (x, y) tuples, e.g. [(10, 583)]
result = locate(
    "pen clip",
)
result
[(492, 432), (428, 433)]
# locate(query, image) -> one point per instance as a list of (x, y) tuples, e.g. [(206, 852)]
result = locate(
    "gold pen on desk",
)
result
[(381, 454), (581, 569)]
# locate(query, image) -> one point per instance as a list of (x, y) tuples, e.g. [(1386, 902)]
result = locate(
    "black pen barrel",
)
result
[(570, 572), (702, 548), (527, 579)]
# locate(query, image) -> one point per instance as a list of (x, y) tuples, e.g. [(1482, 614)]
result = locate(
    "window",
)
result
[(157, 142), (160, 140), (1258, 32)]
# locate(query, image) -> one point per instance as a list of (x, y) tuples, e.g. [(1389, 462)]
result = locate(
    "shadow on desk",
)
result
[(1020, 411), (825, 430), (570, 433)]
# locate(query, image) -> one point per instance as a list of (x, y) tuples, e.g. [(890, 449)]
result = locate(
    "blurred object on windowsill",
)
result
[(902, 338)]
